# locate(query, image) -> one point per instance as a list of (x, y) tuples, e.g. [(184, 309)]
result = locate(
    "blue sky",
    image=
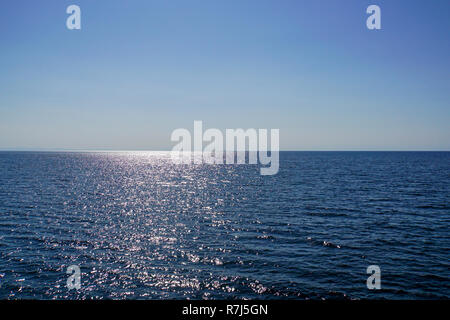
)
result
[(137, 70)]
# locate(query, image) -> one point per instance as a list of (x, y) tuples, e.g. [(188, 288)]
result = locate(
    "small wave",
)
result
[(265, 236), (324, 243)]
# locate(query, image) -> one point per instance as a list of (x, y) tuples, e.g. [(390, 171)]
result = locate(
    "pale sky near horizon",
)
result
[(139, 69)]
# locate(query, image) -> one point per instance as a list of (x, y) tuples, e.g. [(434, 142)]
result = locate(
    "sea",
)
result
[(138, 226)]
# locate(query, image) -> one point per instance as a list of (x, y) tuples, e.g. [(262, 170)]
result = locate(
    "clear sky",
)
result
[(137, 70)]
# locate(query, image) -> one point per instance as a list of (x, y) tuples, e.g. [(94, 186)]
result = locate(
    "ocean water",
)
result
[(140, 227)]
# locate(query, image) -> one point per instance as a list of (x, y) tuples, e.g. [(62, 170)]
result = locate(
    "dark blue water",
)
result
[(141, 227)]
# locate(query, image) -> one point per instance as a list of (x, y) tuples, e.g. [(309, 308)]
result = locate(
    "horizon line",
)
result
[(284, 150)]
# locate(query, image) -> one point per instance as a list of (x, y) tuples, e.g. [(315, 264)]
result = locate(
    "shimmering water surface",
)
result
[(141, 227)]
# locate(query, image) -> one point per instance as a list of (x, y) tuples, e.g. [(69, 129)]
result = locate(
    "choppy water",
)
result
[(141, 227)]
